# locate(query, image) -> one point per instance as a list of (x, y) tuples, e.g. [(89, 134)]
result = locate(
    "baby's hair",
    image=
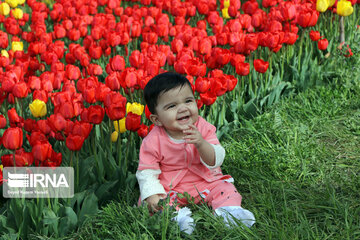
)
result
[(160, 84)]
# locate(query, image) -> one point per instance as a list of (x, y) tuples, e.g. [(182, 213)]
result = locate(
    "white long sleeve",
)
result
[(219, 156), (149, 183)]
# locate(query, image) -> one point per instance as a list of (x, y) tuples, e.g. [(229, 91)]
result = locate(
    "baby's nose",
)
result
[(182, 108)]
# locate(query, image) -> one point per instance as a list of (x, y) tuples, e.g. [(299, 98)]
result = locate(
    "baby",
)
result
[(182, 154)]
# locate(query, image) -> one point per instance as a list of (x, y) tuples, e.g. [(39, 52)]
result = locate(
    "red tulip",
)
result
[(30, 125), (205, 46), (314, 35), (66, 109), (117, 63), (72, 72), (143, 131), (290, 38), (41, 151), (2, 121), (34, 83), (74, 142), (102, 91), (251, 41), (54, 160), (57, 122), (288, 11), (95, 51), (95, 114), (94, 69), (177, 45), (41, 95), (14, 118), (250, 7), (132, 121), (323, 44), (260, 65), (4, 40), (44, 126), (89, 95), (59, 31), (231, 82), (113, 81), (82, 129), (13, 138), (243, 69), (147, 112), (136, 58), (74, 34), (202, 85), (208, 98), (129, 78), (22, 159), (35, 137), (20, 90)]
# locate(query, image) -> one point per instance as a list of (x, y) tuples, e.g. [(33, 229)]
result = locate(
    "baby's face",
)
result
[(176, 110)]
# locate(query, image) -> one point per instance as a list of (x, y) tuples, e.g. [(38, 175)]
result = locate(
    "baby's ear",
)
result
[(155, 120)]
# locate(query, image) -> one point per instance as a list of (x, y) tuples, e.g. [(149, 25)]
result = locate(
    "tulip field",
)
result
[(73, 71)]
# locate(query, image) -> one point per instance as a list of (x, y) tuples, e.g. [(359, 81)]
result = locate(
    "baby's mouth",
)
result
[(183, 119)]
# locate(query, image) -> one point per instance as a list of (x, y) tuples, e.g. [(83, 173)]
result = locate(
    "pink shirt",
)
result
[(177, 160)]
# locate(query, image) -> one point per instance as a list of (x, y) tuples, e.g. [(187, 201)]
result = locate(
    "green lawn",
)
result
[(297, 167)]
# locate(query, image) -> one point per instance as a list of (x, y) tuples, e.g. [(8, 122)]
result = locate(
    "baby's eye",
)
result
[(189, 100), (171, 106)]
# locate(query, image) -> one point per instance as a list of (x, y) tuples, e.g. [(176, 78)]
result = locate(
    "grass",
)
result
[(297, 167)]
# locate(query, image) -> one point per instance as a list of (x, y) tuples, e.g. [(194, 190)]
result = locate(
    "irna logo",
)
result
[(37, 180)]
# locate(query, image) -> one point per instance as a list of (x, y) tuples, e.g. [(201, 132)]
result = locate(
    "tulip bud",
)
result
[(225, 13), (12, 3), (122, 126), (135, 107), (38, 108), (18, 13), (4, 53), (322, 5), (1, 167), (114, 136), (226, 3), (344, 8), (17, 46), (4, 9)]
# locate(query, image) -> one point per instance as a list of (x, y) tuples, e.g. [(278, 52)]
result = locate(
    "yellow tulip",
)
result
[(17, 46), (135, 107), (18, 13), (114, 136), (1, 167), (226, 3), (4, 53), (225, 13), (38, 108), (322, 5), (12, 3), (21, 2), (344, 8), (120, 125), (331, 3), (4, 9)]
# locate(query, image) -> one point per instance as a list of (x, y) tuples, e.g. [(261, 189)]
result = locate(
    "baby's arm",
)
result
[(219, 156), (205, 149), (151, 189)]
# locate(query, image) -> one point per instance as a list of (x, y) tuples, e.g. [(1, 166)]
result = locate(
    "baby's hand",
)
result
[(192, 135), (152, 202)]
